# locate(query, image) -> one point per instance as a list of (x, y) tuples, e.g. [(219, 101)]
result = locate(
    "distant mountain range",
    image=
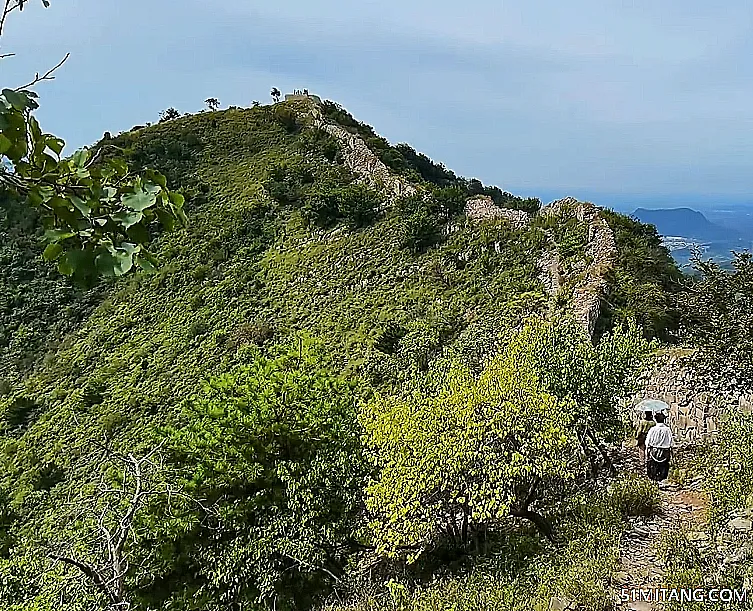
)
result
[(686, 223), (685, 229)]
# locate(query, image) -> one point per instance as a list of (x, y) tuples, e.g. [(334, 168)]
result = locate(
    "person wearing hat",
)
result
[(644, 426), (658, 449)]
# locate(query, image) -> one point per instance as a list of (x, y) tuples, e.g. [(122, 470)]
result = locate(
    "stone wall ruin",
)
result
[(695, 404)]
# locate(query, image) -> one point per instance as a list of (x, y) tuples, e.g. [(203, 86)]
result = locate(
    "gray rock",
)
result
[(560, 603), (740, 524)]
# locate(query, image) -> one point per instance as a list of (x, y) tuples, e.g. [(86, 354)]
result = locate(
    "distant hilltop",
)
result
[(686, 223)]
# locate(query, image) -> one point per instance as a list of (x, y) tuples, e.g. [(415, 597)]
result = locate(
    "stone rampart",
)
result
[(482, 208), (695, 404), (360, 159), (601, 251)]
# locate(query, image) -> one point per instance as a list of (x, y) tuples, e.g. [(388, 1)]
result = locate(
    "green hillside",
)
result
[(297, 284)]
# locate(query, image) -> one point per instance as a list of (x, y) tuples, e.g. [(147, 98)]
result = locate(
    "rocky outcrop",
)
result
[(600, 253), (482, 208), (591, 283), (550, 272)]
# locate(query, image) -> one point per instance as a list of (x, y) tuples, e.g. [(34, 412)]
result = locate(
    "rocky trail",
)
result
[(684, 506), (640, 566)]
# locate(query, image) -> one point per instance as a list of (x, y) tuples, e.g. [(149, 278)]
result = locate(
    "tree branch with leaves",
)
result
[(98, 217)]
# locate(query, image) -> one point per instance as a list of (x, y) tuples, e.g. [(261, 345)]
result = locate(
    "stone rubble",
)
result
[(683, 506), (601, 251), (360, 160), (483, 208)]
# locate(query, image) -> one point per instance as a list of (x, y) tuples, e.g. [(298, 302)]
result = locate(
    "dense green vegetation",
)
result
[(718, 315), (645, 282), (97, 216), (330, 400), (38, 306)]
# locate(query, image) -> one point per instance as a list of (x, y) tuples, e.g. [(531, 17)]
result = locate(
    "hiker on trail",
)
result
[(644, 426), (658, 449)]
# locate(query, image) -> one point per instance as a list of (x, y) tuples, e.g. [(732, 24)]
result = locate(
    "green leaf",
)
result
[(123, 262), (138, 233), (181, 216), (106, 264), (5, 144), (52, 252), (80, 157), (146, 265), (65, 265), (119, 165), (127, 218), (130, 248), (140, 200), (81, 205), (57, 235), (177, 199), (35, 198), (158, 179), (55, 144), (16, 99), (166, 219), (36, 132)]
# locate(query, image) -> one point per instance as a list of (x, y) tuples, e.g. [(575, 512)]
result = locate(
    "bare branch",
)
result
[(10, 6), (47, 76), (92, 573)]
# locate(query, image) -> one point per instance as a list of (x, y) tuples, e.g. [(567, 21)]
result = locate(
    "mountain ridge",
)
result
[(685, 222), (288, 245)]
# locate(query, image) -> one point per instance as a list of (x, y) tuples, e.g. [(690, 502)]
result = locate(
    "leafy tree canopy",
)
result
[(465, 456), (273, 447), (98, 217), (718, 319)]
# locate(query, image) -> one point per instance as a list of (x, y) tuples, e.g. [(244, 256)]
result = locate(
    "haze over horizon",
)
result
[(627, 106)]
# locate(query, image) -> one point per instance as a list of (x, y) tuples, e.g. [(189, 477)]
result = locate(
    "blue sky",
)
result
[(623, 103)]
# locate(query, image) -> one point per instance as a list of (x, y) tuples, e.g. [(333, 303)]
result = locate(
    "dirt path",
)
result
[(640, 568)]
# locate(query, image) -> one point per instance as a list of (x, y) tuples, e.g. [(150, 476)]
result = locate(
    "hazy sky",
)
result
[(618, 102)]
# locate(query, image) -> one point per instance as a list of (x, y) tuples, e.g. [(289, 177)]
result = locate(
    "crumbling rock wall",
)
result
[(360, 160), (550, 272), (482, 208), (601, 251), (695, 403)]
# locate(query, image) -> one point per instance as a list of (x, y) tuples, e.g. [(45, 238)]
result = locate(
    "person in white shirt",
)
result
[(658, 449)]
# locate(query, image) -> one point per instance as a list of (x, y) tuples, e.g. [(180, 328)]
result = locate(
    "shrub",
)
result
[(257, 332), (420, 230), (634, 495), (286, 117), (358, 204), (274, 448), (730, 481), (449, 201), (463, 457)]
